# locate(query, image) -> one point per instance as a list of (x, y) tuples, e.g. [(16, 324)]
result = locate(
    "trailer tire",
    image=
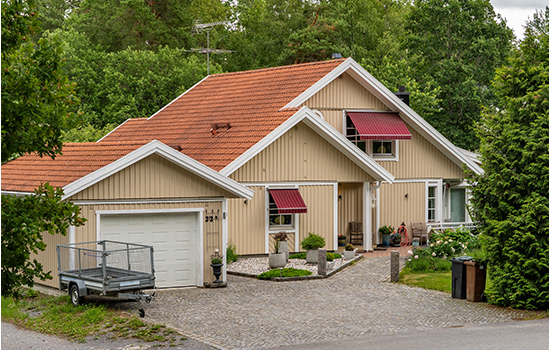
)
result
[(74, 293)]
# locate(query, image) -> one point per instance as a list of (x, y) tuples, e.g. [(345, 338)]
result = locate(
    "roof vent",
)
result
[(216, 126), (403, 96), (336, 56)]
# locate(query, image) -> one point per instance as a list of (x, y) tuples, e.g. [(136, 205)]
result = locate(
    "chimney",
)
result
[(403, 96)]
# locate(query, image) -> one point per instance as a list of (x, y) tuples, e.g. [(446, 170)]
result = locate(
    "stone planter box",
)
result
[(312, 256), (277, 260), (349, 254)]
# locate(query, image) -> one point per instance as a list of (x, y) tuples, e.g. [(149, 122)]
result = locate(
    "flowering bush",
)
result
[(386, 230), (451, 242)]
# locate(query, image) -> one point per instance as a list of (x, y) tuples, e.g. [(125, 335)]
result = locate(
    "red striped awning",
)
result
[(379, 126), (288, 201)]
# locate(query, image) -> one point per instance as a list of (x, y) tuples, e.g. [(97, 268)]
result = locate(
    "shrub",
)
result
[(287, 272), (313, 241), (443, 265), (297, 256), (420, 264), (231, 253), (349, 247), (216, 259), (330, 257)]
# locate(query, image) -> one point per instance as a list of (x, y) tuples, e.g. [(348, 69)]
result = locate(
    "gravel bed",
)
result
[(256, 266)]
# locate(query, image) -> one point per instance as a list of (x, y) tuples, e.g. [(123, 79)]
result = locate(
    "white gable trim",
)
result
[(159, 148), (363, 77), (327, 132)]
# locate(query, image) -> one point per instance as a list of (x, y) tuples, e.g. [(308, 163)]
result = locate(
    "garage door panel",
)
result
[(174, 237)]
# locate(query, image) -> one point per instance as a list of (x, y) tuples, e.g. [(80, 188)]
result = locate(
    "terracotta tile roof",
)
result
[(26, 173), (250, 101)]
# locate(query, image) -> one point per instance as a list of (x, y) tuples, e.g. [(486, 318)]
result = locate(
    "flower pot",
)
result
[(277, 260), (217, 272), (342, 242), (349, 254), (312, 256), (283, 248), (386, 240)]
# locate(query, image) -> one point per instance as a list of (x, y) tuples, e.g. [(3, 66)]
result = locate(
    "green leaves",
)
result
[(510, 199), (24, 221)]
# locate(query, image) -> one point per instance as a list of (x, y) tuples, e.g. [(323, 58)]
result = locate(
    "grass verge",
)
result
[(441, 281), (57, 316)]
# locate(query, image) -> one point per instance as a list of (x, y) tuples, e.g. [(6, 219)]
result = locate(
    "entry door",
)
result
[(174, 237), (458, 205)]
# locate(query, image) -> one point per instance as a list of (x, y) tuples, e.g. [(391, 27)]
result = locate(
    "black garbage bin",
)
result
[(458, 288)]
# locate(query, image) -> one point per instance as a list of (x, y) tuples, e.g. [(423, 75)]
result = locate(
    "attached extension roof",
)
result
[(84, 164)]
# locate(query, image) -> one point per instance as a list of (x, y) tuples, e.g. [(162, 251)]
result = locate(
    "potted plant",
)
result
[(349, 252), (277, 259), (395, 239), (341, 240), (283, 243), (312, 243), (216, 261), (386, 232)]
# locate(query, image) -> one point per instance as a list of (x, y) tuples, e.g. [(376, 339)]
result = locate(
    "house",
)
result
[(321, 145)]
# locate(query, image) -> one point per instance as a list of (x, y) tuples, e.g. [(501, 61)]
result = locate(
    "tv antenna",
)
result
[(199, 27)]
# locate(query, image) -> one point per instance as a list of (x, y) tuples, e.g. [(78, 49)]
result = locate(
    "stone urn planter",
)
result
[(349, 252), (312, 256), (216, 261), (283, 248), (277, 260), (281, 243)]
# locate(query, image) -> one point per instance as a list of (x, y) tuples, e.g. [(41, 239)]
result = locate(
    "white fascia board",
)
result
[(186, 91), (157, 147), (387, 97), (327, 132), (17, 194)]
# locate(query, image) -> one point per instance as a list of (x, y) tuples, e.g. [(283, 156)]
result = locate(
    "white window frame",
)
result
[(438, 185)]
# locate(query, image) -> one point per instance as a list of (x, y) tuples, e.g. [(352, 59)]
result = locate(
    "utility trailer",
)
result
[(109, 268)]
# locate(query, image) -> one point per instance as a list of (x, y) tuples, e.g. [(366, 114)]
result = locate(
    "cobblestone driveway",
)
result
[(358, 301)]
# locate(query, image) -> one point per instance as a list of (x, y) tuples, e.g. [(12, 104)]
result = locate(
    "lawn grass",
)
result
[(286, 272), (441, 281), (57, 316)]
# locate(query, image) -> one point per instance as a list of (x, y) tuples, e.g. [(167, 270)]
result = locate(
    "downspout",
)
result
[(377, 216)]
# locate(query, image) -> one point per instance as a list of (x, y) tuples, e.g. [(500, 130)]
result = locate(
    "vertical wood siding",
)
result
[(212, 232), (350, 207), (300, 155), (48, 258), (395, 208), (419, 159), (320, 213), (152, 177), (246, 222)]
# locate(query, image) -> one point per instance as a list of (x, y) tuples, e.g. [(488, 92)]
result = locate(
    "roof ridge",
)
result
[(288, 66)]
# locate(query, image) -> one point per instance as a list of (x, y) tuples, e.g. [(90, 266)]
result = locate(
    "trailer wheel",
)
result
[(74, 293)]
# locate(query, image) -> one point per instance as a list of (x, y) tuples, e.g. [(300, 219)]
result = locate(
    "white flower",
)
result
[(444, 257), (450, 240), (431, 244), (433, 254), (410, 259), (416, 256), (410, 252), (453, 249)]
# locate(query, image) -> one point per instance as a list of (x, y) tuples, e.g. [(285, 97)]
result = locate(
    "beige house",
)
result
[(301, 148)]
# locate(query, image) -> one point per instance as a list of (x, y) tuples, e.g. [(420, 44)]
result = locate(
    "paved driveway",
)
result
[(358, 301)]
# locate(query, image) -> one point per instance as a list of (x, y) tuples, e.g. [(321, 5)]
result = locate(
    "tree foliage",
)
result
[(458, 44), (510, 199), (35, 94), (24, 221)]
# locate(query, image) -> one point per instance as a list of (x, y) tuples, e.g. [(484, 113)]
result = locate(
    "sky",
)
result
[(516, 12)]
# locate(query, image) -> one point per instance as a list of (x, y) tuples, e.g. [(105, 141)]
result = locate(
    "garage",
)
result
[(175, 238)]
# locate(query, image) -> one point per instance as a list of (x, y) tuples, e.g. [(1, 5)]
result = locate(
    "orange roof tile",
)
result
[(26, 173), (250, 101)]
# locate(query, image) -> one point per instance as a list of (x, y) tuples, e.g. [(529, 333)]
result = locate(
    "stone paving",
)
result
[(251, 314)]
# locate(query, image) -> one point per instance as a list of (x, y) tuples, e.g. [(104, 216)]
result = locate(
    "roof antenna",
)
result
[(198, 27)]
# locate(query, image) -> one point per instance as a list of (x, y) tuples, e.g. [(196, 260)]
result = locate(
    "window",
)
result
[(374, 148), (458, 205), (276, 219), (431, 203)]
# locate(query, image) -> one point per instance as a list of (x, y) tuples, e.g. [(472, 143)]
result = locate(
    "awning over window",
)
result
[(379, 126), (289, 201)]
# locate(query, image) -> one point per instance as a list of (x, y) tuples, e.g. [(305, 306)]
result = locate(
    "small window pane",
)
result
[(431, 191)]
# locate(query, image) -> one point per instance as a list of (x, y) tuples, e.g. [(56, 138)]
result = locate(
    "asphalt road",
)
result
[(516, 335)]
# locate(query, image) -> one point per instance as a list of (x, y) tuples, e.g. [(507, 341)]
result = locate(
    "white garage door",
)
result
[(174, 237)]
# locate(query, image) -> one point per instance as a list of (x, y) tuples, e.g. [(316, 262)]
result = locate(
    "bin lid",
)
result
[(462, 258)]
